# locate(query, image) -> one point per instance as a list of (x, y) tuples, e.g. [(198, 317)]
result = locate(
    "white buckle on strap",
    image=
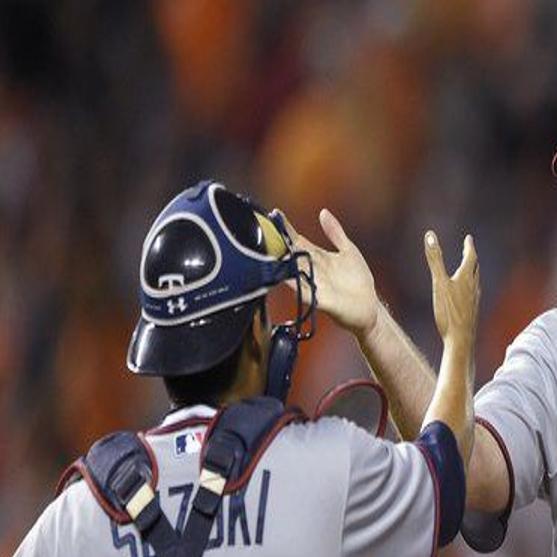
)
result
[(212, 481), (140, 500)]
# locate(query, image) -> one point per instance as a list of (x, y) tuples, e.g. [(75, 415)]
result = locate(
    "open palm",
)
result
[(455, 298), (345, 284)]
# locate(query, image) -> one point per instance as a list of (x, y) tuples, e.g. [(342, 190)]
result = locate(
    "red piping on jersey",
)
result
[(66, 476), (506, 455), (292, 415), (433, 474), (182, 424), (335, 392)]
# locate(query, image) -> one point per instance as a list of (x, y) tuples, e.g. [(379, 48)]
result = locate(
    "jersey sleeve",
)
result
[(36, 542), (60, 529), (519, 408), (393, 502)]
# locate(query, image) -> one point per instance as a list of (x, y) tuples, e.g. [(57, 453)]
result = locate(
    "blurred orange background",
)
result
[(398, 115)]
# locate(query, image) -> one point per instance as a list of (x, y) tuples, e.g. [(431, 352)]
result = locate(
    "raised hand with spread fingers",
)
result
[(345, 284)]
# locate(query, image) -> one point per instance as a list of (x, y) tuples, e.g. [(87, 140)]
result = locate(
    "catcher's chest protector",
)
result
[(121, 472)]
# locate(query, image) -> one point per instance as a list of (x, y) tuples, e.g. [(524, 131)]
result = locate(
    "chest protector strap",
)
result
[(121, 472)]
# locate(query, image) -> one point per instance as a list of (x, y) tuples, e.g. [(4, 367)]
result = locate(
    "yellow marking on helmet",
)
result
[(274, 241)]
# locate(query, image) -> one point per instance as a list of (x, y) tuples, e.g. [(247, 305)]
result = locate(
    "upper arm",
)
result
[(519, 406), (73, 521), (393, 500), (488, 485), (38, 541), (516, 444)]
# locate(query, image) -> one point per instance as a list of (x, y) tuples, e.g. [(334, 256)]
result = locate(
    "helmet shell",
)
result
[(204, 267)]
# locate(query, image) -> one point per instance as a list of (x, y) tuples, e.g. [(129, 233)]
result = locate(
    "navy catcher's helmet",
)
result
[(208, 259)]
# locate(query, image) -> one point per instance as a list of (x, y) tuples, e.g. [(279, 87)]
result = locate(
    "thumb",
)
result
[(469, 257)]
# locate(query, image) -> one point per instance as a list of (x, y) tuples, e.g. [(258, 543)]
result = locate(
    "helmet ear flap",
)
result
[(282, 357)]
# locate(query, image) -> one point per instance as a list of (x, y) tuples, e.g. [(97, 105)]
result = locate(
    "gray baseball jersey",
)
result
[(325, 488), (520, 405)]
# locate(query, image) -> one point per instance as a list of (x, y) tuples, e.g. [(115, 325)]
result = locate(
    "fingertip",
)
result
[(324, 215), (280, 213), (430, 239), (429, 248), (469, 245), (324, 221)]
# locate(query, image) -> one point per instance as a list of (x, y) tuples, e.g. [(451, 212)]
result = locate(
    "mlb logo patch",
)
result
[(188, 443)]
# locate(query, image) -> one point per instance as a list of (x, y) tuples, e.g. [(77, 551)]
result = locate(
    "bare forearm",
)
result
[(404, 374), (415, 396), (452, 400), (409, 383)]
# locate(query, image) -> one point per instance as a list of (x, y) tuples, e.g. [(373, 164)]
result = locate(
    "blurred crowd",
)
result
[(398, 115)]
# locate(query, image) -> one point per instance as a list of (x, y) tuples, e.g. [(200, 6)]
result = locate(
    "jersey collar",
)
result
[(187, 413)]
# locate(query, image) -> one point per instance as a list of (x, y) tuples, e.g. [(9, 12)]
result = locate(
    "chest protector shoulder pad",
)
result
[(121, 472)]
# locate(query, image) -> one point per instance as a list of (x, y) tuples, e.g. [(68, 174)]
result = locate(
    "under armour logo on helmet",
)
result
[(178, 305)]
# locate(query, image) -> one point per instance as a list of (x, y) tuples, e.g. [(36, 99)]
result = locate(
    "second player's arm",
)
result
[(346, 291), (455, 307), (402, 370), (409, 382)]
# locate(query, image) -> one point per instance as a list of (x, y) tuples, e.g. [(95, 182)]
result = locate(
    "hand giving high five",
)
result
[(345, 284)]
